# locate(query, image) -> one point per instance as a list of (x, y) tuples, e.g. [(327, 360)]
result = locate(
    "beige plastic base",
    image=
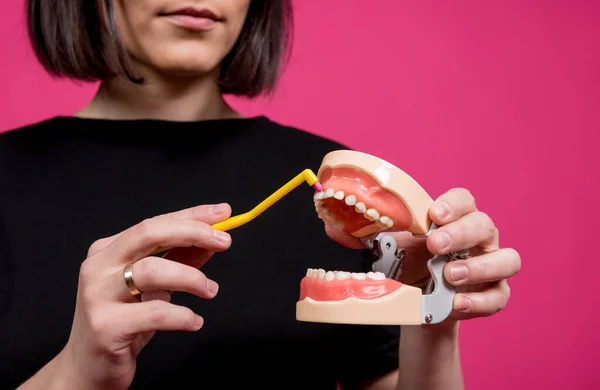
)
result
[(402, 307)]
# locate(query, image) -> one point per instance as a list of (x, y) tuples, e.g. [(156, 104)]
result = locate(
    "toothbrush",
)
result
[(306, 175)]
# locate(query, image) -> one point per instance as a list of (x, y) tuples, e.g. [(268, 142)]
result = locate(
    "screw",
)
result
[(428, 318), (388, 245)]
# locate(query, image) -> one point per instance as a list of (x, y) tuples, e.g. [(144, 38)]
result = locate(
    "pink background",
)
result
[(500, 97)]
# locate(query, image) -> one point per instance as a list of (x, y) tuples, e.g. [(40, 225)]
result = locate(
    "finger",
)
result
[(100, 244), (192, 256), (489, 267), (158, 274), (484, 303), (406, 240), (343, 238), (156, 295), (155, 315), (209, 214), (146, 237), (451, 206), (144, 338), (474, 229)]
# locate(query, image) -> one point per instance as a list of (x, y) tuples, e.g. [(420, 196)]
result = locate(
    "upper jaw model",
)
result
[(366, 196)]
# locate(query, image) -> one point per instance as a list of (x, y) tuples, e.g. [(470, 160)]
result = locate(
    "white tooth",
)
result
[(321, 273), (372, 215), (329, 275), (351, 200), (359, 275), (328, 193), (308, 272), (318, 203), (319, 195), (313, 273), (339, 195), (360, 208), (342, 275), (376, 275), (386, 222), (338, 225)]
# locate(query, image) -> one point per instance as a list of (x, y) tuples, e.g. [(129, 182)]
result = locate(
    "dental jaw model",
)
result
[(366, 196)]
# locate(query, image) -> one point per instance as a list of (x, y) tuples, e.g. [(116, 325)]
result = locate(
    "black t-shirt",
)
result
[(66, 182)]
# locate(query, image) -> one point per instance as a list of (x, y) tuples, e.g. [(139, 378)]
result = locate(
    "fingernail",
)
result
[(458, 273), (219, 208), (222, 236), (212, 286), (464, 303), (442, 239), (441, 209)]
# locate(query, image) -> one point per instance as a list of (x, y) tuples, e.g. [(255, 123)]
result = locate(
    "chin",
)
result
[(186, 61), (184, 70)]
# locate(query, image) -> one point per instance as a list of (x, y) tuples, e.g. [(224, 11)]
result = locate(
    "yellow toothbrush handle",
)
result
[(238, 220), (305, 176)]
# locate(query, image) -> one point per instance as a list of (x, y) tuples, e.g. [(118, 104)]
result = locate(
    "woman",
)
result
[(156, 158)]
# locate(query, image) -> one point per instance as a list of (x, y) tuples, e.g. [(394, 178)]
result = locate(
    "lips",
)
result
[(193, 19), (194, 13)]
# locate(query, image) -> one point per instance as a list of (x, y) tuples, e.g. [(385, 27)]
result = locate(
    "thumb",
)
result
[(209, 214)]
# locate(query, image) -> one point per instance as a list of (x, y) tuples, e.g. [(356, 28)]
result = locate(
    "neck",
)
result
[(184, 99)]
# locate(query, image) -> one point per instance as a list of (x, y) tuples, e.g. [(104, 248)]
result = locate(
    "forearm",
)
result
[(54, 375), (47, 377), (429, 358)]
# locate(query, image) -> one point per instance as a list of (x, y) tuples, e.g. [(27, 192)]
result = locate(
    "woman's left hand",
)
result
[(481, 281)]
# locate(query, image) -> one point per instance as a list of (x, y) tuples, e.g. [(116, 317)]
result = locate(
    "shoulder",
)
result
[(30, 127), (293, 140), (25, 134), (28, 147), (297, 134)]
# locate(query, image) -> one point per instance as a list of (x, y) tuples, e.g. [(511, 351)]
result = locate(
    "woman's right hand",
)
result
[(111, 326)]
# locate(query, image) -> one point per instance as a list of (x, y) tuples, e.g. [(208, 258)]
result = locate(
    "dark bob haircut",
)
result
[(78, 39)]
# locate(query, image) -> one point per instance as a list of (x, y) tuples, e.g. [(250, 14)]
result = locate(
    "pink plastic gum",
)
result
[(385, 195)]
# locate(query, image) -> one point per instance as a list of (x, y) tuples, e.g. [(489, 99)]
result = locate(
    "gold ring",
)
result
[(128, 274)]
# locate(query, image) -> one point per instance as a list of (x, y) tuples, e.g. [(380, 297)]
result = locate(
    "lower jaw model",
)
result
[(366, 196)]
